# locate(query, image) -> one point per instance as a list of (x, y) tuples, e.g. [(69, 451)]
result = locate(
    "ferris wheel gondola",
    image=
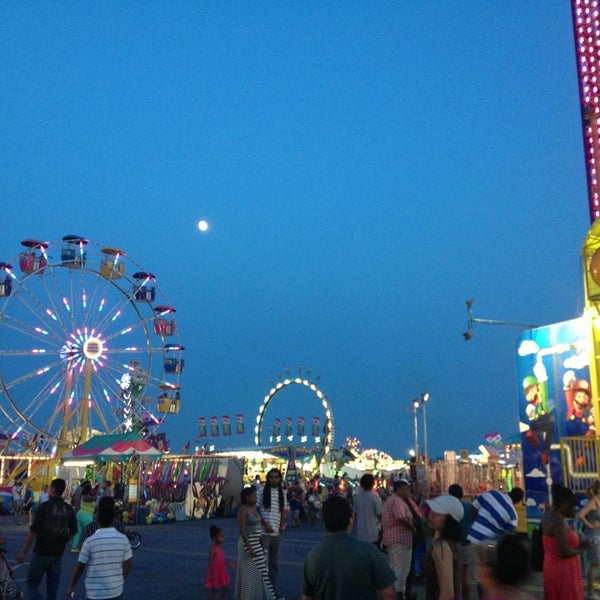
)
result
[(80, 349)]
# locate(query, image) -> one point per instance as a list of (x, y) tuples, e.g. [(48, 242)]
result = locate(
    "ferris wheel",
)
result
[(88, 344), (328, 439)]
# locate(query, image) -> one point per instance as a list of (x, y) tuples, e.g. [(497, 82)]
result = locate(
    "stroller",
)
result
[(9, 589)]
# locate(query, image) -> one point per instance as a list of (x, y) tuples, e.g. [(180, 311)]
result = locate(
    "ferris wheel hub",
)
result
[(93, 348)]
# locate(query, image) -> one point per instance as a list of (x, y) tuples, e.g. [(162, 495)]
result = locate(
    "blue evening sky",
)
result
[(365, 167)]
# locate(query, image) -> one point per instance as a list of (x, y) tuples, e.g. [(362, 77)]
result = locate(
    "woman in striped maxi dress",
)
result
[(252, 578)]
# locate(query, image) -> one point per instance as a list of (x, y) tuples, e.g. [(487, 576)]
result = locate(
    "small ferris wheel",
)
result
[(88, 344), (285, 382)]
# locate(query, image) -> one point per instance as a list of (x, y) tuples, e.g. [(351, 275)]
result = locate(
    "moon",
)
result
[(203, 225)]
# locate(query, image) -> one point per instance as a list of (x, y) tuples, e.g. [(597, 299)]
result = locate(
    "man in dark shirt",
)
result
[(341, 566), (53, 526)]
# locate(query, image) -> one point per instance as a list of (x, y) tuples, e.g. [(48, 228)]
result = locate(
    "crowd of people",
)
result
[(105, 556), (377, 543)]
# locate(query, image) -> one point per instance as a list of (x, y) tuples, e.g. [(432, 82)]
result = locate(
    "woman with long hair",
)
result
[(272, 507), (441, 564), (252, 575), (589, 515), (562, 548)]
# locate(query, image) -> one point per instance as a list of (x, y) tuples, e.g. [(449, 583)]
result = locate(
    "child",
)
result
[(217, 576)]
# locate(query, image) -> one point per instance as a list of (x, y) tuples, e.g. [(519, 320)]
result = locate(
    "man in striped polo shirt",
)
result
[(271, 507), (107, 554), (495, 515)]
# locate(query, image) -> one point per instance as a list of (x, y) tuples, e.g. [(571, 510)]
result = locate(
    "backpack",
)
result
[(57, 520)]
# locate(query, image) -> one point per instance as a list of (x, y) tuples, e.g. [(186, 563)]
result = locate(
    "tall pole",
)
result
[(424, 399), (416, 423)]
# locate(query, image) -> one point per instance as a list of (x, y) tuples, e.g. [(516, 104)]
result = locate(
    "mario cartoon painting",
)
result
[(580, 410)]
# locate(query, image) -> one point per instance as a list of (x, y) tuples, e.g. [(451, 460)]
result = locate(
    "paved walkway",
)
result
[(172, 560)]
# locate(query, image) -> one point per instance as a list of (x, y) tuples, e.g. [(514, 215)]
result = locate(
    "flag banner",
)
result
[(226, 425), (288, 427), (291, 473), (276, 428), (186, 448), (493, 439), (214, 426), (316, 426), (202, 427), (300, 426), (239, 423)]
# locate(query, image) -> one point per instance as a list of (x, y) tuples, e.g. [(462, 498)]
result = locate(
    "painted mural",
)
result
[(555, 400)]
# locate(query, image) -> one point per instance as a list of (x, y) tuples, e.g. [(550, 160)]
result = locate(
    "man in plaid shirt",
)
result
[(398, 530)]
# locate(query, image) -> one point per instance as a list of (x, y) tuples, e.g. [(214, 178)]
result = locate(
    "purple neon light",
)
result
[(586, 23)]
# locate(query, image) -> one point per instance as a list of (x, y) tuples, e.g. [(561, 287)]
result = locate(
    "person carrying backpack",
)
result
[(53, 526)]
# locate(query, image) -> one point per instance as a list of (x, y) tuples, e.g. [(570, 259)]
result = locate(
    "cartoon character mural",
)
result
[(555, 401), (580, 411), (541, 420)]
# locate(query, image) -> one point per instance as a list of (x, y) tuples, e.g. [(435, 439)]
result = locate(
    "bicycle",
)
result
[(9, 588), (135, 539), (16, 511)]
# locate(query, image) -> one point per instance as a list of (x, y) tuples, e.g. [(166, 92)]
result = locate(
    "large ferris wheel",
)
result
[(88, 344)]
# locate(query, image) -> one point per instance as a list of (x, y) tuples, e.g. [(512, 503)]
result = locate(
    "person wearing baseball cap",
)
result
[(441, 564)]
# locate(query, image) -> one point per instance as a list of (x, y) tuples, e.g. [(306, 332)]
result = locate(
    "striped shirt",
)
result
[(274, 515), (104, 554), (496, 515)]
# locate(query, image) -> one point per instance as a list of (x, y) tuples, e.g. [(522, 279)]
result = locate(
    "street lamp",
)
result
[(424, 399), (415, 408)]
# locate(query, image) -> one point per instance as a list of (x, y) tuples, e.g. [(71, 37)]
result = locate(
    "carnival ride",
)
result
[(88, 344), (586, 24), (283, 383)]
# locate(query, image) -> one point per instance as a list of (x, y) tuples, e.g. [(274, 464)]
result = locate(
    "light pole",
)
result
[(416, 423), (424, 399)]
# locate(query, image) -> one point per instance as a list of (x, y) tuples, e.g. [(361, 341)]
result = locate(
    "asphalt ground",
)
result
[(172, 560)]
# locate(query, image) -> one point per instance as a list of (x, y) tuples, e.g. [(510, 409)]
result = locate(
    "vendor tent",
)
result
[(114, 447)]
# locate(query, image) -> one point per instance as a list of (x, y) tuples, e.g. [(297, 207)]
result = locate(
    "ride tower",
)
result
[(586, 24), (558, 365)]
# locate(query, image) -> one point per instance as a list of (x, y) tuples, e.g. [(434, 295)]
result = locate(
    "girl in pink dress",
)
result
[(216, 575)]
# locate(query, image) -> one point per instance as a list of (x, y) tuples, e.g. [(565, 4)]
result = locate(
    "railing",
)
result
[(579, 456)]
